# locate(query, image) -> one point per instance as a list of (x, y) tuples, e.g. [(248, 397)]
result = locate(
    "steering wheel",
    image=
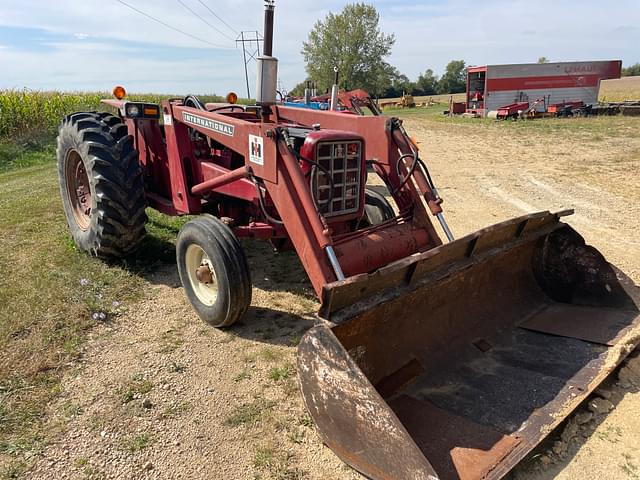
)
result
[(224, 107)]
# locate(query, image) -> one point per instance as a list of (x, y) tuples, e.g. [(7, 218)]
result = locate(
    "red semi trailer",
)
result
[(491, 87)]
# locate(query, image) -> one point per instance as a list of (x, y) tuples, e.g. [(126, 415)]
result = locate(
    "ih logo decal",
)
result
[(256, 150)]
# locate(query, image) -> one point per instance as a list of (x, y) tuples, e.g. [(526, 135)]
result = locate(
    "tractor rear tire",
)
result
[(376, 208), (101, 184), (213, 270)]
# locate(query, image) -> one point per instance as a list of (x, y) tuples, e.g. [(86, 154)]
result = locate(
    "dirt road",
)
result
[(158, 394)]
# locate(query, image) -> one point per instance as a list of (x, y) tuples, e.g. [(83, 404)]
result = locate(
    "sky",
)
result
[(96, 44)]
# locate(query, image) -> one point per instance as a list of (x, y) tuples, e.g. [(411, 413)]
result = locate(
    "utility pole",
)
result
[(249, 53)]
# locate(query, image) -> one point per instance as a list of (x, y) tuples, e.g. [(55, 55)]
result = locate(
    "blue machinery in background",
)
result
[(311, 105)]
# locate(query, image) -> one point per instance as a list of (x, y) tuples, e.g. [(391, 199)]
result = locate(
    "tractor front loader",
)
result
[(430, 360)]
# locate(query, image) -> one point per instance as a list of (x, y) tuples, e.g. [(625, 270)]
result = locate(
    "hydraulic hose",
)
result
[(261, 202), (315, 166)]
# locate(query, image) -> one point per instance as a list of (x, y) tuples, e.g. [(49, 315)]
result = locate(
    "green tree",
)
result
[(381, 82), (631, 70), (454, 79), (400, 84), (352, 41), (427, 83), (298, 90), (543, 60)]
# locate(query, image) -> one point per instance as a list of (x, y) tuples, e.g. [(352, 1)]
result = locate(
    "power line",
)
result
[(195, 14), (215, 15), (251, 52), (169, 26)]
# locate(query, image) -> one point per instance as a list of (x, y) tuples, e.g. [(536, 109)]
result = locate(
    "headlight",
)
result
[(133, 110), (141, 110)]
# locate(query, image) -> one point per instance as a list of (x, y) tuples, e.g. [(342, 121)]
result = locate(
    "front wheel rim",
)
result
[(78, 189), (202, 276)]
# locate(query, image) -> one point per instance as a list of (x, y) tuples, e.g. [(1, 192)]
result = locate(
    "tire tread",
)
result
[(116, 177)]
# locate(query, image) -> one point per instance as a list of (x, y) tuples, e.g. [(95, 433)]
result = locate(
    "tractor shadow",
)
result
[(272, 326), (279, 273)]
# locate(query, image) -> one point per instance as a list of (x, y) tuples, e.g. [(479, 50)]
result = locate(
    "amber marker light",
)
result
[(119, 92)]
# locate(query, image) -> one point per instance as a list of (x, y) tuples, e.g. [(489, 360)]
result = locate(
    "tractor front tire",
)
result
[(101, 184), (376, 208), (213, 270)]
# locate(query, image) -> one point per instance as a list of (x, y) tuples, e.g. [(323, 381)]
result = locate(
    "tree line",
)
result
[(353, 41), (395, 84), (631, 70)]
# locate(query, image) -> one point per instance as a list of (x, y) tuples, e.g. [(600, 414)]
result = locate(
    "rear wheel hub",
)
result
[(78, 189)]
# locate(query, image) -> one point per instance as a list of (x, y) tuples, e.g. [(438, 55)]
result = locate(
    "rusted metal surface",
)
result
[(204, 274), (79, 189), (359, 293), (592, 324), (355, 421), (463, 450), (453, 343)]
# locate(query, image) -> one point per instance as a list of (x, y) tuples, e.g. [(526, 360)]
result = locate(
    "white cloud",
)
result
[(99, 67), (428, 34)]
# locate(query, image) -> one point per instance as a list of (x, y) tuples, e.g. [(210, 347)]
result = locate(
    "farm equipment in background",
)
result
[(513, 110), (352, 101), (526, 110), (358, 102), (576, 108), (431, 360), (629, 108), (489, 87), (309, 100), (406, 101), (532, 111)]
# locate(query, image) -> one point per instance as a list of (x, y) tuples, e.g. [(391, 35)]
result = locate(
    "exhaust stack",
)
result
[(267, 82), (334, 90)]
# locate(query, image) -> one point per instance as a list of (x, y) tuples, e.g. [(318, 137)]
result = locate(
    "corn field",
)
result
[(26, 113)]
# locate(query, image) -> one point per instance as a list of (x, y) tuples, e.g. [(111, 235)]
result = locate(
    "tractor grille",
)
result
[(343, 160)]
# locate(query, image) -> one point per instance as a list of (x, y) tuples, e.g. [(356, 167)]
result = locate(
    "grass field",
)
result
[(627, 88)]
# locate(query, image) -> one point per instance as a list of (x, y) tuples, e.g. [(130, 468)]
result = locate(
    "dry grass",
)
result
[(442, 99), (626, 88), (50, 296)]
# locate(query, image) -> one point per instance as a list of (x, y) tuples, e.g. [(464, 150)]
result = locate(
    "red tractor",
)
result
[(430, 360)]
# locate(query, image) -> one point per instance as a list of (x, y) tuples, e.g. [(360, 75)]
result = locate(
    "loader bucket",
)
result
[(455, 363)]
